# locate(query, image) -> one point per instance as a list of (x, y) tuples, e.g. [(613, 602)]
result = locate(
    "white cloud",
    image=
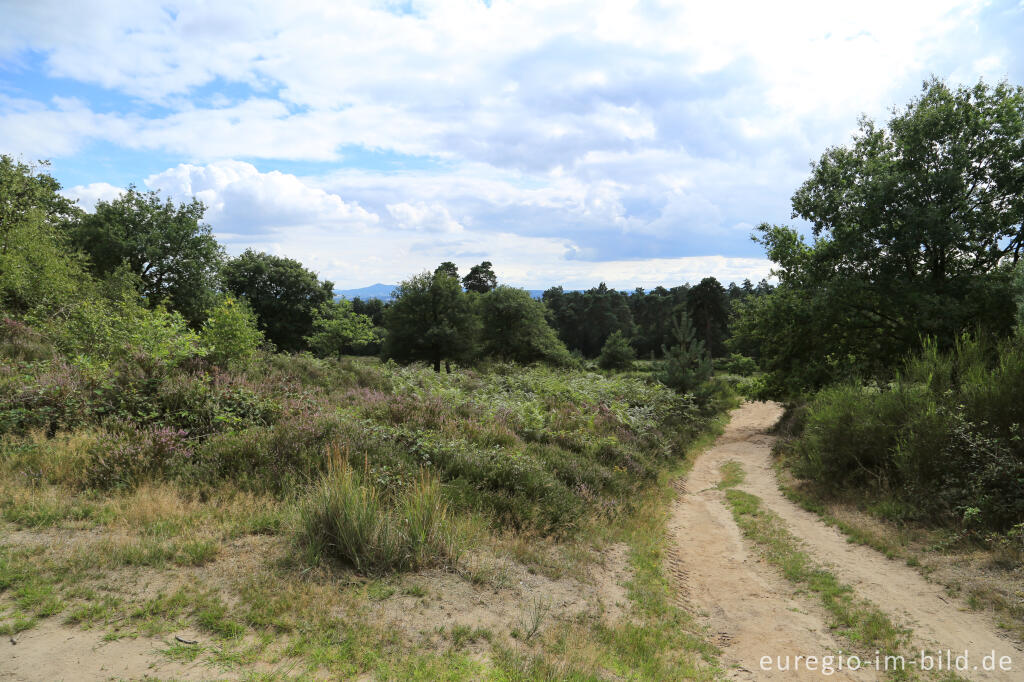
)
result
[(421, 216), (517, 84), (335, 236), (89, 195), (564, 132), (241, 200)]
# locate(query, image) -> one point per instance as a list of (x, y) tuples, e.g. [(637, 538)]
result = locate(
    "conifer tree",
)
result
[(687, 364)]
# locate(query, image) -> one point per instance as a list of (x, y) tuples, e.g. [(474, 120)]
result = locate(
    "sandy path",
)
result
[(753, 609)]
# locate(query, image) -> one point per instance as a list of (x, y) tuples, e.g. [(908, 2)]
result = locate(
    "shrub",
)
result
[(273, 458), (736, 364), (617, 353), (18, 341), (230, 334), (350, 521), (943, 438), (129, 456), (103, 331)]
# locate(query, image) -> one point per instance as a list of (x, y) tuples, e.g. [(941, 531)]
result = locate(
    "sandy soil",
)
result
[(755, 612), (52, 651), (510, 600)]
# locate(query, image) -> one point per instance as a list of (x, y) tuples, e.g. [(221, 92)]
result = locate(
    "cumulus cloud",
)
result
[(89, 195), (242, 200), (421, 216), (584, 130), (287, 215)]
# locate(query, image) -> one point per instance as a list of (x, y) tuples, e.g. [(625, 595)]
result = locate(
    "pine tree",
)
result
[(687, 364), (617, 353)]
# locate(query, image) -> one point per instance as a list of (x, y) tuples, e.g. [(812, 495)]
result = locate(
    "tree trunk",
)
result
[(447, 367), (437, 365)]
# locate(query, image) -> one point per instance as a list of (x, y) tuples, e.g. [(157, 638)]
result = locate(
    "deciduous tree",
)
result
[(283, 294), (432, 320), (169, 249), (514, 327)]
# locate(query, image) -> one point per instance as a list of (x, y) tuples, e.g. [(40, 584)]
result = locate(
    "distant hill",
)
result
[(381, 291)]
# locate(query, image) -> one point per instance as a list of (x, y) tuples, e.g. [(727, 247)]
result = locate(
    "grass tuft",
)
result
[(347, 520)]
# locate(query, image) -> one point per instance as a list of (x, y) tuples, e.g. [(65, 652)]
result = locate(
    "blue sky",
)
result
[(635, 143)]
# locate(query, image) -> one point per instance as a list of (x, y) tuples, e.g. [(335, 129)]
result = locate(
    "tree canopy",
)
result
[(585, 320), (338, 329), (481, 278), (283, 294), (174, 255), (514, 326), (915, 228), (38, 267), (708, 308), (431, 319)]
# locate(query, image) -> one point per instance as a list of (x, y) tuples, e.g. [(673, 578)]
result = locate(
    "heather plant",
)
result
[(528, 447), (126, 456), (49, 395), (20, 342)]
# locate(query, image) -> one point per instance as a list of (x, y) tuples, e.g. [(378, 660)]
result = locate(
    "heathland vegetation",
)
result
[(170, 410), (319, 469)]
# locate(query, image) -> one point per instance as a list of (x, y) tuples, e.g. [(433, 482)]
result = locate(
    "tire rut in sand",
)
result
[(754, 610)]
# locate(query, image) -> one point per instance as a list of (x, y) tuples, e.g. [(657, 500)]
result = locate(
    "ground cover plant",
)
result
[(350, 466)]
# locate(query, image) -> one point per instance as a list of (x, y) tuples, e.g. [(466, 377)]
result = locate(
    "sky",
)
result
[(635, 143)]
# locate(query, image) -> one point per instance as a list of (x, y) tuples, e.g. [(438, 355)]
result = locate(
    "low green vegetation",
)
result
[(349, 520), (942, 440)]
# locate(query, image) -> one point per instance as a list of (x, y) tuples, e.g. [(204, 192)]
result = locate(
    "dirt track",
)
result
[(752, 611)]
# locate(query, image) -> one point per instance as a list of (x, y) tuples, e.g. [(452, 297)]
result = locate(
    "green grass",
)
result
[(348, 520), (854, 534), (732, 475)]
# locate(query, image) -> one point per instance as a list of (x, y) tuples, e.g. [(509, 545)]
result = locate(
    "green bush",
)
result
[(348, 520), (104, 331), (230, 333), (736, 364), (128, 456), (338, 330), (943, 438), (617, 353), (272, 458)]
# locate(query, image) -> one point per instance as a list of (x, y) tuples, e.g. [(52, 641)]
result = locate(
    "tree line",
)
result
[(161, 254)]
